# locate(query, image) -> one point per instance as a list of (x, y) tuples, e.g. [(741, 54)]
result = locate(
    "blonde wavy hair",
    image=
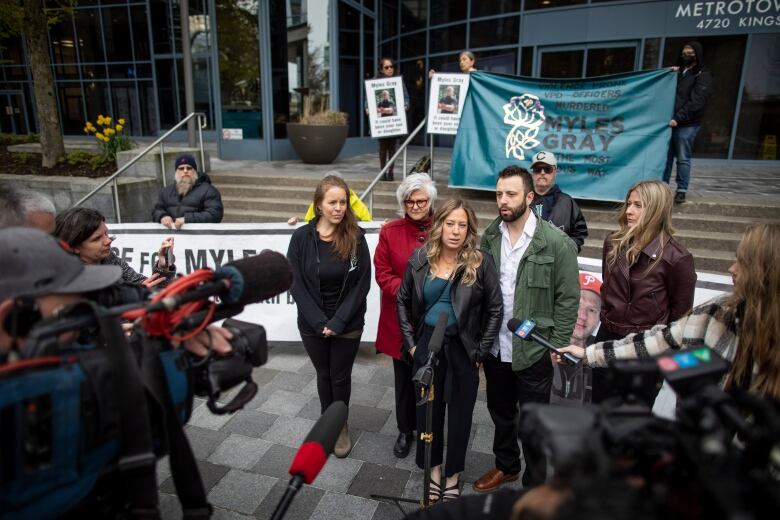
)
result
[(655, 222), (756, 301), (469, 257)]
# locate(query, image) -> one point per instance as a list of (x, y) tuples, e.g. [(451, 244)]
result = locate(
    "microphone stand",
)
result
[(424, 377)]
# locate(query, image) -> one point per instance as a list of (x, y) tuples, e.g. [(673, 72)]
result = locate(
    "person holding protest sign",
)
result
[(397, 240), (648, 278), (450, 276), (332, 276), (466, 61), (387, 144), (84, 230)]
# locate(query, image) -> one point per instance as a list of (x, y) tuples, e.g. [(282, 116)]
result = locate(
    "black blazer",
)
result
[(351, 309), (478, 308)]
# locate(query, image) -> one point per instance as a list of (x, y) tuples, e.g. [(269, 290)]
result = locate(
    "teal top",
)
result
[(431, 290)]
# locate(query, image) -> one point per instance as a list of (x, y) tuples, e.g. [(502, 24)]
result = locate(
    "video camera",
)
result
[(710, 463), (86, 402)]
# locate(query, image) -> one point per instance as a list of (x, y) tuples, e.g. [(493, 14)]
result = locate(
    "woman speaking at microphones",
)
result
[(332, 275), (397, 240), (450, 276)]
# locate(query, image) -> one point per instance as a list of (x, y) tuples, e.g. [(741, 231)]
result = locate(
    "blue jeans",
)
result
[(681, 147)]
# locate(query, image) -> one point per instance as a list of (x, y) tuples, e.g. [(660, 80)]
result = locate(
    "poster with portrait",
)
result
[(385, 105), (446, 101)]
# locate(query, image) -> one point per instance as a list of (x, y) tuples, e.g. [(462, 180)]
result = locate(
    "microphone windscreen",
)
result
[(437, 337), (261, 277), (513, 324), (308, 461)]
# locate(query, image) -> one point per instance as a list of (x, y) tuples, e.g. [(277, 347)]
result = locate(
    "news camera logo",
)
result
[(525, 114)]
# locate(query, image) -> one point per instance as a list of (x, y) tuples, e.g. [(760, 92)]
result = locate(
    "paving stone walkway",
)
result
[(244, 457)]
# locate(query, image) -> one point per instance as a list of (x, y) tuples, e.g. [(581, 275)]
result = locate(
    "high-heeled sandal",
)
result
[(435, 492), (451, 493)]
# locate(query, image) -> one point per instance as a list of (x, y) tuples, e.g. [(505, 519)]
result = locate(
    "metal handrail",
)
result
[(202, 124), (370, 190)]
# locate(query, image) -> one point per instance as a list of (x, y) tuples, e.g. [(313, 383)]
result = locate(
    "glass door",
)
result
[(13, 116), (599, 59)]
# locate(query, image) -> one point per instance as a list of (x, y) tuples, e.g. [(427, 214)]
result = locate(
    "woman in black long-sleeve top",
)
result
[(450, 275), (332, 275)]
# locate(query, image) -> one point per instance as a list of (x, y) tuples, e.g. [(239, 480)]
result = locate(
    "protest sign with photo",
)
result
[(385, 104), (445, 102)]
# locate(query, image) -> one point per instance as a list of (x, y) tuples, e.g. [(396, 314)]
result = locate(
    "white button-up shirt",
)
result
[(510, 262)]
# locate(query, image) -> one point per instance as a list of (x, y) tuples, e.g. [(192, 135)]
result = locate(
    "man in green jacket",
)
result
[(537, 264)]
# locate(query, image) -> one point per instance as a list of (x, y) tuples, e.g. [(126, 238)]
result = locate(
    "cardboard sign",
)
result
[(385, 104), (446, 102)]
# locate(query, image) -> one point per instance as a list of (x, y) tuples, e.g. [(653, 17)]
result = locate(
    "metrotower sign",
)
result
[(723, 16)]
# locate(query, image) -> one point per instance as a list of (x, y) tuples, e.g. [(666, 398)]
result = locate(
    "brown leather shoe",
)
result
[(492, 480)]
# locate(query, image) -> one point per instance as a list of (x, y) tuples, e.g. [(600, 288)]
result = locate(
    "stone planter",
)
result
[(317, 144)]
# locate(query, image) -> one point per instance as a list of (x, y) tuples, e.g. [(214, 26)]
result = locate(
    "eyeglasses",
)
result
[(420, 203), (542, 169), (387, 67)]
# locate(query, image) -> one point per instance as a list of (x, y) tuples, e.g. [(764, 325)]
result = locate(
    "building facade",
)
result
[(254, 61)]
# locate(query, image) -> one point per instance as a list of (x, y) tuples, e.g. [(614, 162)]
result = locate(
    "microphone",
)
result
[(313, 453), (248, 280), (527, 330)]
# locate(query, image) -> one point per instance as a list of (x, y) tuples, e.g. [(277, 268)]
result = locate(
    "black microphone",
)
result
[(248, 280), (313, 453), (526, 330)]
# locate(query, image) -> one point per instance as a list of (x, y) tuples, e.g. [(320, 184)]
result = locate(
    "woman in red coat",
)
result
[(397, 239)]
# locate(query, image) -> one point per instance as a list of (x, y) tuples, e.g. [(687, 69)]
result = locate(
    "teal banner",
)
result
[(607, 133)]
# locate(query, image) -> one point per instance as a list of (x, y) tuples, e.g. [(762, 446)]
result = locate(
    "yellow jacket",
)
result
[(360, 209)]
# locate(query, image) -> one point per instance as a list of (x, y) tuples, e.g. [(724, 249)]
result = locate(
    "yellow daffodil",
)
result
[(109, 131), (107, 120), (121, 121), (99, 136), (86, 129), (119, 127), (100, 119)]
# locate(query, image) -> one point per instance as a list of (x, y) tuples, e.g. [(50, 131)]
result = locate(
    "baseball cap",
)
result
[(588, 282), (186, 159), (35, 264), (545, 158)]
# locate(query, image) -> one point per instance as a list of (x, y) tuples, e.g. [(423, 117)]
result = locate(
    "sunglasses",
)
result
[(542, 169), (388, 67)]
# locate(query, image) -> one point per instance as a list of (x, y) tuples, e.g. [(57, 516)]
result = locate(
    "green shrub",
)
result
[(81, 158), (12, 139), (21, 157), (328, 117)]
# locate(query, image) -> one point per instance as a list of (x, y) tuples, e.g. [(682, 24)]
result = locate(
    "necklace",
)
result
[(445, 268)]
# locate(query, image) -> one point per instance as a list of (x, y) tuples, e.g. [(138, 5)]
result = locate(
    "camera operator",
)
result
[(743, 326), (85, 231), (39, 281)]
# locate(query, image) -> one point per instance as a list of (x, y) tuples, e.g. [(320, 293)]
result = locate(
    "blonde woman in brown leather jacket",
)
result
[(648, 277)]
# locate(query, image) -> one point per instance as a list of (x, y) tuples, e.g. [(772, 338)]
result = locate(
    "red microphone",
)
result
[(313, 453)]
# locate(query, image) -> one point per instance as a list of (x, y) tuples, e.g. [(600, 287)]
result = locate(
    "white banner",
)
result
[(386, 109), (213, 245), (446, 102)]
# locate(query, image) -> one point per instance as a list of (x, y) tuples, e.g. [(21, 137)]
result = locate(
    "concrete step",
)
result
[(690, 239)]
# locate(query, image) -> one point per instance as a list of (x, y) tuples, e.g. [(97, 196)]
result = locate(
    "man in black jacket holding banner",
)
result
[(553, 205)]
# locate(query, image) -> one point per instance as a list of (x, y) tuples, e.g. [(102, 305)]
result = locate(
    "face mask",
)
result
[(688, 60)]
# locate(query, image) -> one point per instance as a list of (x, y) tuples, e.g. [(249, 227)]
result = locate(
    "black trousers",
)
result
[(332, 358), (507, 391), (386, 151), (405, 397), (601, 388), (455, 382)]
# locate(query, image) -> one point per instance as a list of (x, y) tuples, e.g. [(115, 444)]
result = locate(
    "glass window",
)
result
[(445, 63), (413, 45), (724, 56), (140, 32), (147, 103), (125, 101), (116, 27), (161, 28), (445, 11), (96, 99), (759, 113), (544, 4), (167, 90), (89, 35), (414, 15), (527, 63), (602, 62), (451, 38), (71, 113), (66, 72), (500, 31), (562, 64), (239, 67), (652, 53), (11, 52), (92, 71), (415, 76), (389, 50), (503, 61), (62, 41), (389, 18), (350, 85), (494, 7)]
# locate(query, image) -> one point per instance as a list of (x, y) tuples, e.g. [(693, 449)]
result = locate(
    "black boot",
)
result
[(679, 197), (402, 445)]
